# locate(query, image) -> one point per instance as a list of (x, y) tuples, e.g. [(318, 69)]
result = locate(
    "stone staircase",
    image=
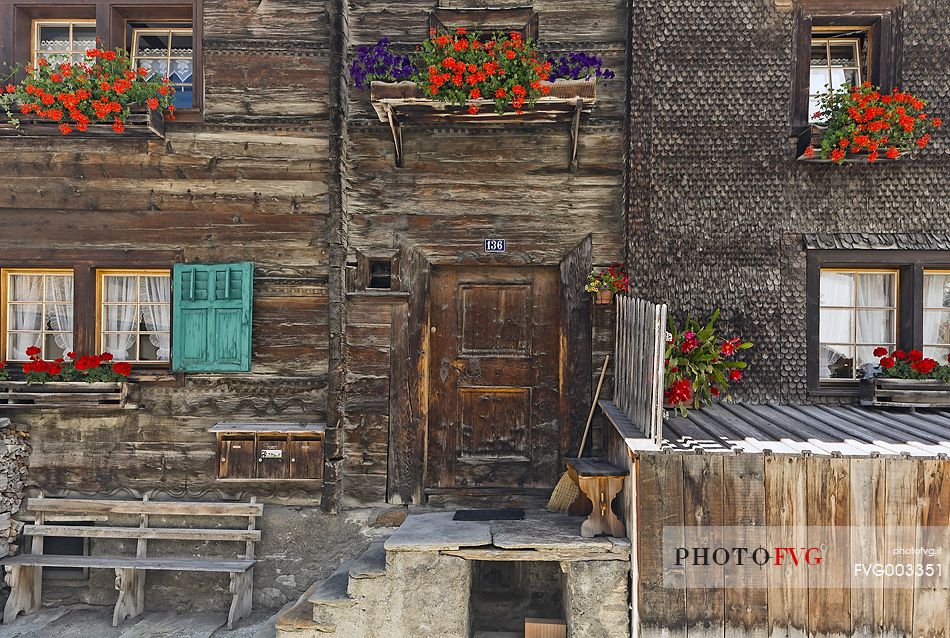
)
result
[(412, 586)]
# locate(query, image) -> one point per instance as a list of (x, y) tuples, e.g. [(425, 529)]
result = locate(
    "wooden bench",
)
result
[(25, 571), (600, 481)]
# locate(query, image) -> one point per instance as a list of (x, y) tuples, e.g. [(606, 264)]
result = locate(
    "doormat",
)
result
[(507, 514)]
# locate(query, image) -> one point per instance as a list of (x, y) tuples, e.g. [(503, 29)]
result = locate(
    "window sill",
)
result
[(846, 389)]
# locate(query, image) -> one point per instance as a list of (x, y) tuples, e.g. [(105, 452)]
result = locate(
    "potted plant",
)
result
[(502, 73), (606, 283), (71, 381), (906, 379), (101, 94), (862, 123), (700, 365)]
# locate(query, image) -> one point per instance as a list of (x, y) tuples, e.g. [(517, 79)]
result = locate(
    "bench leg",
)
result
[(26, 591), (131, 586), (602, 520), (242, 588)]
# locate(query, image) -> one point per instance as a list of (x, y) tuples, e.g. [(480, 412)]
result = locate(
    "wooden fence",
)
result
[(639, 364), (897, 496)]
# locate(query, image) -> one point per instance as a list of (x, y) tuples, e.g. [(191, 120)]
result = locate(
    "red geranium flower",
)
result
[(106, 356), (915, 355), (880, 352), (735, 375), (887, 362), (32, 351), (122, 367), (900, 355)]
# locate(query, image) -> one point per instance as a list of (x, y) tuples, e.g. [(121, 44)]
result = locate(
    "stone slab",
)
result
[(437, 531), (546, 531), (371, 563)]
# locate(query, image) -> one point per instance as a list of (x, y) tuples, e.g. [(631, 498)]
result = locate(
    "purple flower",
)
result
[(378, 62), (579, 65)]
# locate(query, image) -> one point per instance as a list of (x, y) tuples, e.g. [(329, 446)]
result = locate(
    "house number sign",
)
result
[(495, 245)]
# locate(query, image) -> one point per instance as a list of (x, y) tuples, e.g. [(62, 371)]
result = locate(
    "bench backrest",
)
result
[(43, 506)]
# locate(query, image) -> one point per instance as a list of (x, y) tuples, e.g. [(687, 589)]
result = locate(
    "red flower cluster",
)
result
[(102, 88), (89, 368), (863, 120), (462, 68), (679, 392), (913, 364), (613, 279)]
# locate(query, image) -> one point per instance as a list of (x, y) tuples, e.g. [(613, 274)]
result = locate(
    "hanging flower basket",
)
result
[(606, 283)]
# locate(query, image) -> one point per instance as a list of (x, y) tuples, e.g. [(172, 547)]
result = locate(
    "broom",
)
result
[(566, 490)]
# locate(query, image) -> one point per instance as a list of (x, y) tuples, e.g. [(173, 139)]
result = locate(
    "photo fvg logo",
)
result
[(740, 556)]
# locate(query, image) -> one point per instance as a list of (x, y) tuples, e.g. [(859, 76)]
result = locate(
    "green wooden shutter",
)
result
[(211, 317)]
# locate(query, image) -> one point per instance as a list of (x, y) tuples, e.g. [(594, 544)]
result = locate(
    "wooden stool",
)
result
[(600, 481)]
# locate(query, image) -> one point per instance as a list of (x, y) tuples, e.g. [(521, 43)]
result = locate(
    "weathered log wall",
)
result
[(248, 182), (718, 203), (463, 184)]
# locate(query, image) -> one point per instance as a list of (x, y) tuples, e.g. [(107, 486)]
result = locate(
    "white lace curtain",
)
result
[(30, 322), (123, 319), (860, 313)]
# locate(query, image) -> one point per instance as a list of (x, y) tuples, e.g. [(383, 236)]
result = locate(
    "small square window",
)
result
[(63, 40), (167, 51), (380, 274)]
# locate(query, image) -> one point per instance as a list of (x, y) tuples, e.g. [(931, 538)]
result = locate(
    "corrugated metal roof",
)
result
[(819, 429)]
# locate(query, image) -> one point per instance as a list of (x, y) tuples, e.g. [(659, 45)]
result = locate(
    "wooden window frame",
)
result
[(38, 23), (521, 19), (911, 265), (101, 273), (5, 274), (924, 308), (112, 18), (881, 19), (171, 31), (854, 308)]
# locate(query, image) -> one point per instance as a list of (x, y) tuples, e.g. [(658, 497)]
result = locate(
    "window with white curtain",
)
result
[(167, 52), (835, 62), (135, 314), (63, 40), (38, 307), (858, 313), (937, 314)]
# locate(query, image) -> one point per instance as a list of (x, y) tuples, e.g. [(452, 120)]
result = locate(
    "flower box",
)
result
[(19, 395), (814, 140), (409, 103), (905, 393), (141, 123)]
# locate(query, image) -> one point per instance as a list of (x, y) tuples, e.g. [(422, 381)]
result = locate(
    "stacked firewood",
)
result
[(14, 460)]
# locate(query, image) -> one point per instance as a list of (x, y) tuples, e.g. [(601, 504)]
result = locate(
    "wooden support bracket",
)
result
[(575, 131), (242, 588), (601, 490), (130, 583), (396, 130)]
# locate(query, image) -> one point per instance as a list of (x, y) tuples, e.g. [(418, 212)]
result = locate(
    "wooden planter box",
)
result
[(143, 122), (905, 393), (399, 102), (18, 395), (814, 139)]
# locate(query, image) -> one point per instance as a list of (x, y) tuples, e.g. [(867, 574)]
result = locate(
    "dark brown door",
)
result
[(494, 376)]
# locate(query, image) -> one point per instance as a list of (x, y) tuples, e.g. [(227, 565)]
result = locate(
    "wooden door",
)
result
[(494, 378)]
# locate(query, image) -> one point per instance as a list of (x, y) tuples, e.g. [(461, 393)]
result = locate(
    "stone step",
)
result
[(296, 618), (371, 563), (332, 592)]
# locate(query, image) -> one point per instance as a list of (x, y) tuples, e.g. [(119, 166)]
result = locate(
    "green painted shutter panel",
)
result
[(211, 317)]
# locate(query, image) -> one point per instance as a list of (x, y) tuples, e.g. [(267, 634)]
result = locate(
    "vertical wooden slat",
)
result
[(662, 609), (656, 401), (785, 514), (931, 612), (829, 508), (746, 607), (901, 513), (867, 545), (702, 510)]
